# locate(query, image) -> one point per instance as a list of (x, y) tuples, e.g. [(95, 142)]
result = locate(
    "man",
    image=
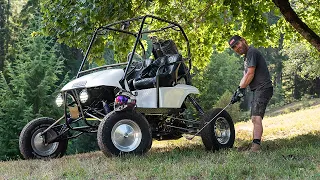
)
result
[(256, 76)]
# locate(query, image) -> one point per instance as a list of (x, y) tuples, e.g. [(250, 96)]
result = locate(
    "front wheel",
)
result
[(124, 132), (32, 142), (220, 133)]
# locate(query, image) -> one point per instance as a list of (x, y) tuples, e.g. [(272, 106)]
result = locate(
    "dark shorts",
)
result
[(260, 101)]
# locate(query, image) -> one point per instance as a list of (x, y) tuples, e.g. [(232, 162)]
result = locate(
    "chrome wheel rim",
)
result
[(222, 130), (126, 135), (38, 143)]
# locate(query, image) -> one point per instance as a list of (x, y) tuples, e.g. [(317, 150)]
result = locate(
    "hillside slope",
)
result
[(291, 146)]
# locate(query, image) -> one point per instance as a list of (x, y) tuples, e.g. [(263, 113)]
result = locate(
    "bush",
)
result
[(233, 110), (278, 98)]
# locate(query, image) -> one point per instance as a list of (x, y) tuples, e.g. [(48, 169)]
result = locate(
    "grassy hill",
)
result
[(291, 150)]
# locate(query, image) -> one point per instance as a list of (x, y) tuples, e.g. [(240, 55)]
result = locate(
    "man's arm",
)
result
[(247, 77)]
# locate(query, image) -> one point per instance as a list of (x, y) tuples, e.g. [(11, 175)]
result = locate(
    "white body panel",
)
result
[(109, 77), (169, 97)]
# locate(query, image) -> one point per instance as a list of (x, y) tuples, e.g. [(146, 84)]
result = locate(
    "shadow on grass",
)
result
[(305, 140), (300, 141), (197, 150), (172, 154)]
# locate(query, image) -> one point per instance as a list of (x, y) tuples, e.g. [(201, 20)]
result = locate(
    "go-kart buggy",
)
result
[(129, 100)]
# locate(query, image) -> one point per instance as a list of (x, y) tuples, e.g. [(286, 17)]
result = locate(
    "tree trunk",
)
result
[(2, 33), (291, 16), (317, 88), (295, 87), (8, 37), (279, 63)]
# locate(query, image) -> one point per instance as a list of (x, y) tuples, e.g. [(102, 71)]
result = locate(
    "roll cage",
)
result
[(138, 36)]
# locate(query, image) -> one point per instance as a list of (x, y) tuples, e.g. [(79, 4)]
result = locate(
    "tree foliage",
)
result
[(301, 70), (28, 86), (233, 110), (222, 74), (35, 65), (301, 60), (207, 23), (297, 22), (4, 31)]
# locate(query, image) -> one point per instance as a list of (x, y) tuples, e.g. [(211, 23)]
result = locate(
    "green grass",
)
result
[(291, 150)]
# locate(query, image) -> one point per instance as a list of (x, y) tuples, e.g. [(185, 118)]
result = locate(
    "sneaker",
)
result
[(255, 147)]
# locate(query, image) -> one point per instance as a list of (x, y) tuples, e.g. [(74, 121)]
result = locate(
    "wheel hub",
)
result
[(38, 143), (222, 130), (126, 135)]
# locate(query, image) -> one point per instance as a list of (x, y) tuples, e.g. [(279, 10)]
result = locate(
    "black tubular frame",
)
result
[(138, 36), (89, 128)]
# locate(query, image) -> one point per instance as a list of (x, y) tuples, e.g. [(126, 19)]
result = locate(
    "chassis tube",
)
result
[(196, 105), (52, 125), (133, 51), (89, 47)]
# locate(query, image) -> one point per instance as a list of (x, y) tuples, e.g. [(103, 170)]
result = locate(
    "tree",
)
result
[(28, 88), (275, 60), (301, 71), (4, 33), (222, 74), (292, 17), (207, 23)]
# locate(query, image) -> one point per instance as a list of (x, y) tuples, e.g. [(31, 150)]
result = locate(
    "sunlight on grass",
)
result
[(163, 146), (291, 144), (284, 126)]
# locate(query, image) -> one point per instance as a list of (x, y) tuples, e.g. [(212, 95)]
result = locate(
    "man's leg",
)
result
[(258, 108), (257, 127), (257, 133)]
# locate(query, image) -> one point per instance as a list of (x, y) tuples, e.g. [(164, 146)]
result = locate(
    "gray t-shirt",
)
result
[(261, 78)]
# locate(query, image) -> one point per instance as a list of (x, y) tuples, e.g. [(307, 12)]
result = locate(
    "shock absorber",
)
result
[(196, 105)]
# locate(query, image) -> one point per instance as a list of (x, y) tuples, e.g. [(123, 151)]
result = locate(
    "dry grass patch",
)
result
[(291, 146), (284, 126)]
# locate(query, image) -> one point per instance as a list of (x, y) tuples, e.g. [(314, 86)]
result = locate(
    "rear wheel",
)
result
[(220, 133), (124, 132), (32, 143)]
